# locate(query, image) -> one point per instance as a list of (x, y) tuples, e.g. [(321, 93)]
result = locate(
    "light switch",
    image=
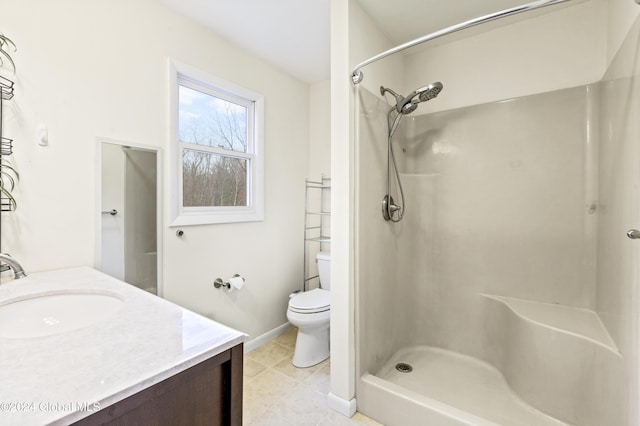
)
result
[(42, 135)]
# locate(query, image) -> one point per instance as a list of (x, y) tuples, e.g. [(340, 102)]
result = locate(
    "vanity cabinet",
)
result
[(209, 393)]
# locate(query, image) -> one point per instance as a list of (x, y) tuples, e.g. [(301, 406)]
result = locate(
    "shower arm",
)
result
[(357, 75)]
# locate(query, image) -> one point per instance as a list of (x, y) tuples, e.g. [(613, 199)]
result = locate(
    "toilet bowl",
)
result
[(310, 311)]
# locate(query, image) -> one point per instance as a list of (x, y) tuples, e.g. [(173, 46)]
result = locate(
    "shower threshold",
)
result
[(455, 388)]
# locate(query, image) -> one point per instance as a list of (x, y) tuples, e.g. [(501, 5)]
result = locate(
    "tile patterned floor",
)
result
[(278, 394)]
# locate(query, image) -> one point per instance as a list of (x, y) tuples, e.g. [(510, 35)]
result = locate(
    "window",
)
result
[(218, 157)]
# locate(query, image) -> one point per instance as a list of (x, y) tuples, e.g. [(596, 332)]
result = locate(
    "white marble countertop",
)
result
[(61, 378)]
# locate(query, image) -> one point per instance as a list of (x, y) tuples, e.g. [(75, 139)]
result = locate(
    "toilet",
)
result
[(310, 312)]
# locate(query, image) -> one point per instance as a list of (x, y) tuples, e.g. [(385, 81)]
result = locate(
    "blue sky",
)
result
[(207, 120)]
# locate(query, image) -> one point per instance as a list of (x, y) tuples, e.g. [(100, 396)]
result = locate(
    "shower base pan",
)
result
[(443, 388)]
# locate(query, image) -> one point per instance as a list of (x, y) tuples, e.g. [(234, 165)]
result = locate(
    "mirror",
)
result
[(129, 209)]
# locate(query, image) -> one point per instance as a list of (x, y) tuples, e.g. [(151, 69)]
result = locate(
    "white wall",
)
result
[(320, 129), (552, 51), (366, 40), (97, 68), (621, 14), (569, 47), (319, 168), (342, 295), (354, 37)]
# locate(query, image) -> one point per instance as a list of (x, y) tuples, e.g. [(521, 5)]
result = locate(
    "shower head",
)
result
[(429, 92), (423, 94), (408, 104)]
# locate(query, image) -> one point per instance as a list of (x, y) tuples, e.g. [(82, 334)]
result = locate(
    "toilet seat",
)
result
[(311, 302)]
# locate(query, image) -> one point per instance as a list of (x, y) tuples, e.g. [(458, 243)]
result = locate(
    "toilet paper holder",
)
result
[(219, 283)]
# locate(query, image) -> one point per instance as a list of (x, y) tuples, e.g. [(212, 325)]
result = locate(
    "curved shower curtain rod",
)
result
[(357, 76)]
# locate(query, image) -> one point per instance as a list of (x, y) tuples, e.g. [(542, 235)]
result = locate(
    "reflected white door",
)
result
[(128, 214), (112, 196)]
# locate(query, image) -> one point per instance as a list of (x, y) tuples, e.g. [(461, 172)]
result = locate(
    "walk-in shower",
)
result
[(404, 105), (508, 292)]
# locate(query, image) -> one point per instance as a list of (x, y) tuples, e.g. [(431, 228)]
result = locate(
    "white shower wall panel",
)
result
[(382, 297), (497, 204), (498, 201), (618, 289)]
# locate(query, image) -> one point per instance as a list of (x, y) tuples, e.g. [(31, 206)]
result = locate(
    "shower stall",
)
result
[(499, 285)]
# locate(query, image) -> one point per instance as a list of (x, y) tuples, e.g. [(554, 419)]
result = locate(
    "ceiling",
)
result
[(290, 34), (294, 34)]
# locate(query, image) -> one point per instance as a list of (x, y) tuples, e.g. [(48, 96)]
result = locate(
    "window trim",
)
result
[(255, 191)]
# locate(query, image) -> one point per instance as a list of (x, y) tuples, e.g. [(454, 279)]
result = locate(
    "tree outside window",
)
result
[(216, 150), (212, 131)]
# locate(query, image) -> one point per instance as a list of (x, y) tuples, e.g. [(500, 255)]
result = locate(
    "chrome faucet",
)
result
[(18, 271)]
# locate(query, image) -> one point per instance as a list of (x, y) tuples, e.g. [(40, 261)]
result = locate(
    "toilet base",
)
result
[(311, 347)]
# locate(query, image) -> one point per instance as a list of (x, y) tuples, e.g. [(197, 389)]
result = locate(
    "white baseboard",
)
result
[(254, 344), (342, 406)]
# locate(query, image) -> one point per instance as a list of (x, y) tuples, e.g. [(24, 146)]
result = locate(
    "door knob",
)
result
[(634, 234)]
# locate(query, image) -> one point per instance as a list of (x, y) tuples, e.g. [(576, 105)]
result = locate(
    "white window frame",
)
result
[(185, 216)]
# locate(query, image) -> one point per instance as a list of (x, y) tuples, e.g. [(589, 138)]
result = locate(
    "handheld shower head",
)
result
[(423, 94), (429, 92), (408, 104), (404, 105)]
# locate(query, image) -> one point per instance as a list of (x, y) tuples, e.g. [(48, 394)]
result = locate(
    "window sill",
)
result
[(187, 219)]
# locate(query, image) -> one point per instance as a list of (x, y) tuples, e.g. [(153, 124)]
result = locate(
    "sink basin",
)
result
[(47, 314)]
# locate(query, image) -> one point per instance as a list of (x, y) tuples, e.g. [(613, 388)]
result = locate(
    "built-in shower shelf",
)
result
[(578, 322)]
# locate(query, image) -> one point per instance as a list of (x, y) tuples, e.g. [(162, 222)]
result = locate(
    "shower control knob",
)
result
[(634, 234)]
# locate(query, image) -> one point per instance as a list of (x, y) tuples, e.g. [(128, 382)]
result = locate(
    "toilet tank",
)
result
[(324, 261)]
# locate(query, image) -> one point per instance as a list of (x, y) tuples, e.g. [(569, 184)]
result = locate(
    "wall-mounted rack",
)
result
[(317, 222), (6, 88), (6, 147), (6, 144)]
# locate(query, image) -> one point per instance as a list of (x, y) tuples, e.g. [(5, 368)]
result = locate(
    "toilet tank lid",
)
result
[(311, 300), (323, 255)]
